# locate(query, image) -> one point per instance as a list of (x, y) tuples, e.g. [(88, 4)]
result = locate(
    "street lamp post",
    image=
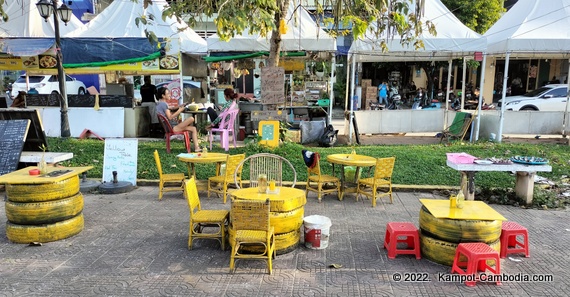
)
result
[(46, 9)]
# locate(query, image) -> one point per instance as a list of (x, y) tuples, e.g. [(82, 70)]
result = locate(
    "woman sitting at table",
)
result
[(230, 104), (172, 116)]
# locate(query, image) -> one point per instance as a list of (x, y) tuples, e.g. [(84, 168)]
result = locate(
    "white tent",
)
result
[(453, 40), (531, 28), (24, 20), (118, 20), (303, 34)]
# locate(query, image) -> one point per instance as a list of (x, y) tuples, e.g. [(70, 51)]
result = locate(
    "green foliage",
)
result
[(479, 15)]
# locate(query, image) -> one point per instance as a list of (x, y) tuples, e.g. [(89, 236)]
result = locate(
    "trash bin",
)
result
[(317, 231)]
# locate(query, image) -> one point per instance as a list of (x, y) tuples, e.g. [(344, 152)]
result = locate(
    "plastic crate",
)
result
[(324, 102)]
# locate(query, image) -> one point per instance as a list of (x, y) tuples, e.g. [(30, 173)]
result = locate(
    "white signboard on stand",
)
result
[(120, 156)]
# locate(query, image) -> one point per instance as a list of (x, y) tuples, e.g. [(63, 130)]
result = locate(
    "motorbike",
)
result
[(394, 99)]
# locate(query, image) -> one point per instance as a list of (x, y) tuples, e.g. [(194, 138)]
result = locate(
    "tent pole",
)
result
[(478, 125), (505, 80), (352, 86), (565, 118), (331, 92), (347, 89), (446, 115), (463, 84)]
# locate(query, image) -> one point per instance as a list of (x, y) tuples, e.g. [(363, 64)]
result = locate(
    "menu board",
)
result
[(120, 155), (12, 137), (36, 137), (272, 85), (42, 100)]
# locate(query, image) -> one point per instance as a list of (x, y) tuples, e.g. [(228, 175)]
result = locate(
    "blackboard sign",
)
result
[(80, 100), (120, 155), (36, 136), (104, 101), (12, 136), (43, 99)]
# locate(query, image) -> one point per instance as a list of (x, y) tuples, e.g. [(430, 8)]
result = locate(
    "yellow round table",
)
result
[(287, 209), (202, 158), (350, 160)]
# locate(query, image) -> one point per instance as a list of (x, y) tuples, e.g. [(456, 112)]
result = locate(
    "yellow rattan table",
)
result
[(355, 160), (287, 208), (202, 158)]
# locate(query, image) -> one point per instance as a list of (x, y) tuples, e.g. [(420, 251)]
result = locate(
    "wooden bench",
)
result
[(524, 184)]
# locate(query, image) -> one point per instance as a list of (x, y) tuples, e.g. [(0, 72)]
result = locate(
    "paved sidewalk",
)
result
[(135, 245)]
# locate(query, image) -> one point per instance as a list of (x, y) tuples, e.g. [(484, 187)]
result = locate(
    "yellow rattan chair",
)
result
[(250, 221), (314, 176), (204, 218), (264, 163), (167, 178), (382, 177), (223, 180)]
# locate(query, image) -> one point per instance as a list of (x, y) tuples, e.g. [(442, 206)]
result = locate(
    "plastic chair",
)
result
[(168, 132), (228, 177), (199, 219), (408, 234), (314, 175), (382, 177), (226, 129), (264, 163), (164, 178), (250, 220), (477, 254), (509, 242)]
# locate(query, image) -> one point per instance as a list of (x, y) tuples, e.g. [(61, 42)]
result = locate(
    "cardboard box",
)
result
[(366, 83)]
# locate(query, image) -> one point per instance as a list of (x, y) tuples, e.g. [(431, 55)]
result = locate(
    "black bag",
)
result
[(329, 137)]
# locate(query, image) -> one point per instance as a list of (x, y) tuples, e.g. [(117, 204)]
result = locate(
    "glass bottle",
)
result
[(460, 199), (42, 165), (262, 183)]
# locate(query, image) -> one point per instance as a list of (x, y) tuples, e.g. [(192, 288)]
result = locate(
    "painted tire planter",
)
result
[(37, 213), (45, 232), (43, 192), (443, 252), (285, 222), (456, 231)]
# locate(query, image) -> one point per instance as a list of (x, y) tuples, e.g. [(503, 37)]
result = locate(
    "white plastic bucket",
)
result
[(317, 231)]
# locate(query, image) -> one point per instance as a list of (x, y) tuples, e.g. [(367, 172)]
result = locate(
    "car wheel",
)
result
[(54, 92), (529, 108), (81, 91)]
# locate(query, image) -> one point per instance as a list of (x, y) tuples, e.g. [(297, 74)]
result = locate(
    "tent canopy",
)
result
[(118, 21), (453, 40), (303, 34), (532, 27)]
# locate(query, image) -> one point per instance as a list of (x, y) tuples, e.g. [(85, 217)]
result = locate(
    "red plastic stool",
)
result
[(394, 230), (477, 254), (509, 242)]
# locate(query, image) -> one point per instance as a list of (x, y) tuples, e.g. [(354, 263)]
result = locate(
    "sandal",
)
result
[(198, 150)]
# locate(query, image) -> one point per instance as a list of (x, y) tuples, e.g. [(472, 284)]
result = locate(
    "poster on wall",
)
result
[(272, 85)]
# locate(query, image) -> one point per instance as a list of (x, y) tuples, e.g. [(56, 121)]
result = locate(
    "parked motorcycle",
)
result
[(394, 98)]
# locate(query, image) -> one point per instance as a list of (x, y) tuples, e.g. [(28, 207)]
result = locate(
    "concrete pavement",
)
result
[(135, 245)]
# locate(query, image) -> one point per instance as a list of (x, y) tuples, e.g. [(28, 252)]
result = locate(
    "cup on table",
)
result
[(262, 183), (272, 185)]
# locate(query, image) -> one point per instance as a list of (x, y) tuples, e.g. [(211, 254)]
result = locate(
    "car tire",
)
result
[(43, 192), (443, 252), (48, 212), (81, 91), (45, 232), (528, 108)]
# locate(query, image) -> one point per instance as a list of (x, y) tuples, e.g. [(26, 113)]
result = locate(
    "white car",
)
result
[(47, 84), (546, 98)]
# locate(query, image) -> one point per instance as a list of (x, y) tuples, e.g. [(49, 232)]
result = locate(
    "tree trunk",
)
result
[(275, 42)]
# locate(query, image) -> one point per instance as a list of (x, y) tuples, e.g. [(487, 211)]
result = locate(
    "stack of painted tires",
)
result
[(439, 237), (44, 212), (286, 217)]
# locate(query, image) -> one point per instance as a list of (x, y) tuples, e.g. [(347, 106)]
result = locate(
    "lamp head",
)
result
[(45, 8), (64, 13)]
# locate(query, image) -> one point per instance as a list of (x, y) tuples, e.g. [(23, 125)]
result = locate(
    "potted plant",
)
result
[(320, 68)]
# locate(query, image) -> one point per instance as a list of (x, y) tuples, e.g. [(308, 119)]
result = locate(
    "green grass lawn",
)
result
[(415, 164)]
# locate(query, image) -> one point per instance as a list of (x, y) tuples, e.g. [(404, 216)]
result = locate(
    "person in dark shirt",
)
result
[(148, 90)]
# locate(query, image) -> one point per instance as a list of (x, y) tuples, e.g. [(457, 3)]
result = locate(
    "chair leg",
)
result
[(320, 189), (374, 195), (209, 188), (225, 191), (160, 187), (190, 236), (234, 138), (187, 141), (211, 137), (168, 143), (225, 141)]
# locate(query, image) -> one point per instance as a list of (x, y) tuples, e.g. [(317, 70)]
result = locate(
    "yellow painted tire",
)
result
[(443, 252), (285, 222), (37, 213), (43, 192), (459, 230), (46, 232), (284, 243)]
